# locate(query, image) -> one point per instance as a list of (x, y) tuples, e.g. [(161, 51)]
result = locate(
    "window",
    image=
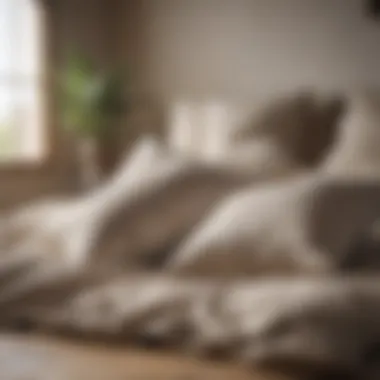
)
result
[(21, 70)]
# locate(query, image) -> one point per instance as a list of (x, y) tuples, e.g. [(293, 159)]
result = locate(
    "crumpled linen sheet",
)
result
[(80, 265), (320, 323)]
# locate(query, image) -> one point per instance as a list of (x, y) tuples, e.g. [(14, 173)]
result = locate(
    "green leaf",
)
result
[(90, 98)]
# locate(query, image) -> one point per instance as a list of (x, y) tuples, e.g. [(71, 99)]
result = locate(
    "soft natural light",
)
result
[(201, 128), (21, 46)]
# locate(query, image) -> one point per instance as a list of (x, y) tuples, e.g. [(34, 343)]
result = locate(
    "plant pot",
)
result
[(89, 163)]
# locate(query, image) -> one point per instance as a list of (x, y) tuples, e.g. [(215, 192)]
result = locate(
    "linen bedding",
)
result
[(270, 265)]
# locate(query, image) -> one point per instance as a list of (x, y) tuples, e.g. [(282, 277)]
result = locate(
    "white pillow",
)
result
[(304, 225)]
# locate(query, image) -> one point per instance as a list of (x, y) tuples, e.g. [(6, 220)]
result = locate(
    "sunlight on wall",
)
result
[(202, 128), (21, 70)]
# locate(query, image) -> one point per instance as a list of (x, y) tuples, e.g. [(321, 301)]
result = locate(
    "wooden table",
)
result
[(27, 357)]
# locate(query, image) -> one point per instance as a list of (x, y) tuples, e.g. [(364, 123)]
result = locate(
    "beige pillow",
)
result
[(355, 151), (301, 125)]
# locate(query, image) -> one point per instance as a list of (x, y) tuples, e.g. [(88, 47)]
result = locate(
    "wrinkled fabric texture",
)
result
[(268, 264)]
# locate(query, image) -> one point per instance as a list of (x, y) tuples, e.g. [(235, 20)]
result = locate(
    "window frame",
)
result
[(48, 161)]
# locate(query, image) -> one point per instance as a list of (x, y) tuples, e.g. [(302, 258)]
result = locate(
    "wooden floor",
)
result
[(37, 358)]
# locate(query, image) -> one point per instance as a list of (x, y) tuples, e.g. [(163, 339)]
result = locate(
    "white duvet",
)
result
[(224, 257)]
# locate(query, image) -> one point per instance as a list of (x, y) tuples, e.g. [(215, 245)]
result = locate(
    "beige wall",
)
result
[(209, 49), (208, 55), (245, 47)]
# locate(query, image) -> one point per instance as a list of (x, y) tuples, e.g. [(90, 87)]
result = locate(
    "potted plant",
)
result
[(93, 100)]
